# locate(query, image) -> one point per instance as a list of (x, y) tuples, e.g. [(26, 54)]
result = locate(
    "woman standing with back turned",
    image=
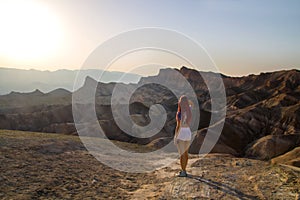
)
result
[(183, 134)]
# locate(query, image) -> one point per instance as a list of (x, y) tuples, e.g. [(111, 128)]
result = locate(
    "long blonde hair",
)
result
[(184, 107)]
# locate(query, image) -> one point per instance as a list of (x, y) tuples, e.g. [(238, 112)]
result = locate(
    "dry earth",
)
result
[(55, 166)]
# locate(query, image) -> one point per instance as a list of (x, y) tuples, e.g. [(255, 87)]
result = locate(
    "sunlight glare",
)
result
[(29, 30)]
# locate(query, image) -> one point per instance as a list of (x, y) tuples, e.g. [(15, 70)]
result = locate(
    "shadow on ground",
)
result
[(224, 188)]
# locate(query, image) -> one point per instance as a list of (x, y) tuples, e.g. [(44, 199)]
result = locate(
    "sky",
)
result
[(241, 37)]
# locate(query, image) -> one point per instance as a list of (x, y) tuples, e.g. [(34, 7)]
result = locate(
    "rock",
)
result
[(219, 147), (4, 122), (290, 158), (273, 145), (66, 128), (160, 142), (113, 132)]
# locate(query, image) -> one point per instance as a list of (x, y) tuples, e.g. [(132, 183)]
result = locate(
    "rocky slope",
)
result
[(262, 121)]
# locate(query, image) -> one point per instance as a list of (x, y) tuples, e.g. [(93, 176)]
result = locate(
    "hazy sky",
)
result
[(242, 37)]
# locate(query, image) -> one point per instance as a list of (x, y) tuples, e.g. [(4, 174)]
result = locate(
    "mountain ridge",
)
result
[(260, 108), (20, 80)]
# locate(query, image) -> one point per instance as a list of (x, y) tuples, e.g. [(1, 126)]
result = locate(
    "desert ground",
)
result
[(55, 166)]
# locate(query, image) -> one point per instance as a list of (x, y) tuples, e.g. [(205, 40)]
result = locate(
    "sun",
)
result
[(29, 30)]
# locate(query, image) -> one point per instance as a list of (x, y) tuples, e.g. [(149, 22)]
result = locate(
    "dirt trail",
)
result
[(220, 176)]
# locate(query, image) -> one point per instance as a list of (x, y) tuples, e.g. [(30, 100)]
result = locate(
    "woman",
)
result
[(183, 132)]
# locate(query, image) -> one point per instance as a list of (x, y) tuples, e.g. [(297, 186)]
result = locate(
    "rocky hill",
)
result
[(262, 120)]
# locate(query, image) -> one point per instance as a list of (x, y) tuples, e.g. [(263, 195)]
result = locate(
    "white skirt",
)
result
[(184, 134), (183, 146)]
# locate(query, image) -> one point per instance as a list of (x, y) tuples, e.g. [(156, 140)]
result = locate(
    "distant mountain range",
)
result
[(20, 80), (262, 119)]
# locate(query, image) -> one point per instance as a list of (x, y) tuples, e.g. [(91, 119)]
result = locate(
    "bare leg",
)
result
[(184, 160)]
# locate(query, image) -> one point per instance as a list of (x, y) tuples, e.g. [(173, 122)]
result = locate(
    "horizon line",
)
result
[(170, 67)]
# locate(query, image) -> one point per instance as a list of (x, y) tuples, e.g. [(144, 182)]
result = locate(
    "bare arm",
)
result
[(176, 131), (190, 120), (177, 128)]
